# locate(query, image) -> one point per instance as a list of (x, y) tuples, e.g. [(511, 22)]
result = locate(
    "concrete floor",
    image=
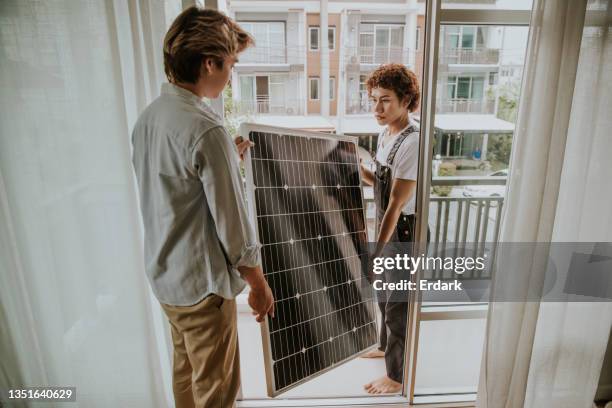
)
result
[(448, 362)]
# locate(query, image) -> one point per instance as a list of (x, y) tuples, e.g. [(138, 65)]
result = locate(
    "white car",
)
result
[(487, 191)]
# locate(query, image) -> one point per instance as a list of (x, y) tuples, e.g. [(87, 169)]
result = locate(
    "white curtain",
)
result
[(541, 354), (75, 308)]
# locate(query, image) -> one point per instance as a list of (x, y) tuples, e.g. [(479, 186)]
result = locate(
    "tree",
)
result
[(508, 101)]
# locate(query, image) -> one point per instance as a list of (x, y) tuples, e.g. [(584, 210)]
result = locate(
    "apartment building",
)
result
[(280, 80), (270, 78)]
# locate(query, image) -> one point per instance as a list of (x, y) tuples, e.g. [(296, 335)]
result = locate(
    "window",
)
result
[(332, 88), (313, 89), (492, 78), (269, 42), (381, 43), (314, 37), (465, 87), (464, 37), (417, 38), (331, 38)]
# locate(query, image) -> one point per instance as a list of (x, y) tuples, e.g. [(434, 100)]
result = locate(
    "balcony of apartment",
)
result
[(468, 56), (461, 105), (374, 56), (272, 58), (268, 106), (358, 104)]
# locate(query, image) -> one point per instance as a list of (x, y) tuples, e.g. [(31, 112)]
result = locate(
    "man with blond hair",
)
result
[(200, 246)]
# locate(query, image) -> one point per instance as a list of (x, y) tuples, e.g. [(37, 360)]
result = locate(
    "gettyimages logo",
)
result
[(484, 272)]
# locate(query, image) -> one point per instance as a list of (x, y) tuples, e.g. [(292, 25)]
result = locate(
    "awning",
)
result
[(471, 123), (313, 123)]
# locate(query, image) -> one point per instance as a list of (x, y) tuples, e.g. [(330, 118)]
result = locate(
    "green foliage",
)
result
[(508, 101), (229, 112), (499, 149), (446, 169)]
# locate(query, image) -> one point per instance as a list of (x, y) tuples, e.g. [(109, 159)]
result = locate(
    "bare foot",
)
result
[(383, 385), (373, 354)]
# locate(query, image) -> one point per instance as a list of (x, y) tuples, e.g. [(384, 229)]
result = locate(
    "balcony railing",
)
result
[(362, 104), (266, 106), (465, 106), (476, 56), (378, 55), (262, 54), (457, 219)]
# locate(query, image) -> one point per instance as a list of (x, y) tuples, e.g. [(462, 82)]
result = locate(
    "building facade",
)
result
[(283, 74)]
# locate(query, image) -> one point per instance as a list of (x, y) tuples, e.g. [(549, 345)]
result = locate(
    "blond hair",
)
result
[(197, 34)]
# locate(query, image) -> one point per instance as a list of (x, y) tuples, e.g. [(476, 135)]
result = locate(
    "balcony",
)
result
[(265, 106), (463, 56), (267, 55), (458, 217), (441, 369), (460, 105), (378, 55), (361, 104)]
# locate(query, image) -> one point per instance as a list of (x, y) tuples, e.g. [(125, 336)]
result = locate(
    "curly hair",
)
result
[(399, 79), (197, 34)]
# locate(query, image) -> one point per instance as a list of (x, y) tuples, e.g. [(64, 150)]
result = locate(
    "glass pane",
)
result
[(262, 89), (463, 87), (277, 95), (480, 37), (331, 38), (382, 37), (395, 42), (314, 38), (247, 88), (314, 88), (397, 37), (366, 40), (477, 87), (474, 125), (467, 39), (488, 4), (451, 89)]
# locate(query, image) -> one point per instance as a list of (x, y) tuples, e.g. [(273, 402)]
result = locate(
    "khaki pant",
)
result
[(206, 367)]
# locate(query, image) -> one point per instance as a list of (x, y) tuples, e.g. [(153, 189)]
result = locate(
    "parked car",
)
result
[(485, 190)]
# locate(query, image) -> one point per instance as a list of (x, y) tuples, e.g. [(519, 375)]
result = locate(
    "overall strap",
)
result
[(398, 141)]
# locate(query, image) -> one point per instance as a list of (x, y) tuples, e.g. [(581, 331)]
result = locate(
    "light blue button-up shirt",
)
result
[(196, 225)]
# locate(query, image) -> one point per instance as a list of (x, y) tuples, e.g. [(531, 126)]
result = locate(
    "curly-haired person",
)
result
[(394, 91)]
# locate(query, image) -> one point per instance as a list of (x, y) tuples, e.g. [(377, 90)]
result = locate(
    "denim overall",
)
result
[(394, 314)]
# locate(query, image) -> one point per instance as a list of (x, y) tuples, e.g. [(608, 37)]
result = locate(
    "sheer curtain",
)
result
[(550, 354), (75, 308)]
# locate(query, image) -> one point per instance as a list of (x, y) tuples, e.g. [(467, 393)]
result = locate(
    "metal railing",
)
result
[(267, 106), (469, 56), (273, 55), (361, 104), (378, 55), (462, 221), (465, 106)]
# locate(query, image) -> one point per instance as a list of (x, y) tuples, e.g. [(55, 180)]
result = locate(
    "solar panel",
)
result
[(304, 190)]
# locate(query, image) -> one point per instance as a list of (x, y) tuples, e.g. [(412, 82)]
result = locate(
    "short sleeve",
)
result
[(406, 162)]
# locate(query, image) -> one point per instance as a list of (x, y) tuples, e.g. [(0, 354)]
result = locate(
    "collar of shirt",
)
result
[(171, 89)]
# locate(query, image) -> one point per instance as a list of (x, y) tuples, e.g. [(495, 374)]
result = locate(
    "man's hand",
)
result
[(242, 145), (261, 301)]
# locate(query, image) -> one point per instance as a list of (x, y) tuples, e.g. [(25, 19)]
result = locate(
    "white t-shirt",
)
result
[(406, 163)]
